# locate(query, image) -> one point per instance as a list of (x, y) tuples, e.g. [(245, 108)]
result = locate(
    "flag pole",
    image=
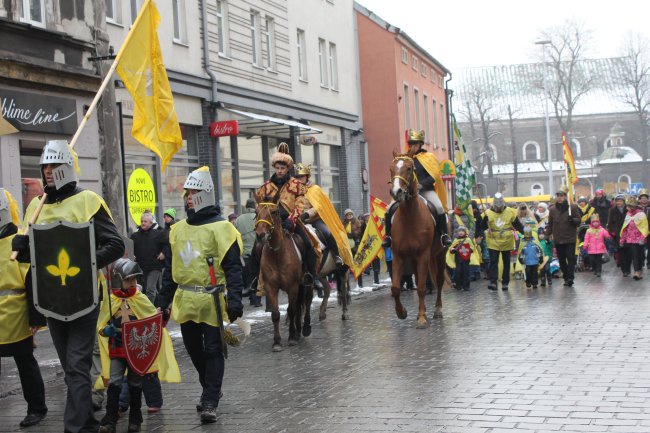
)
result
[(86, 117)]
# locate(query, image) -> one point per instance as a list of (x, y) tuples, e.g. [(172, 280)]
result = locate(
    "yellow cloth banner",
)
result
[(328, 214), (570, 168), (432, 166), (374, 234), (140, 66)]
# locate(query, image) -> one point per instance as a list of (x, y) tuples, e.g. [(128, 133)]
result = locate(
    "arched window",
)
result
[(494, 152), (532, 151), (619, 141), (624, 178), (577, 150), (608, 143), (537, 189)]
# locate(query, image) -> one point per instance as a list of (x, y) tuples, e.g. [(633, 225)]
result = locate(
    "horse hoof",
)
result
[(322, 317), (402, 314), (345, 316), (306, 331), (277, 348), (292, 342), (437, 315)]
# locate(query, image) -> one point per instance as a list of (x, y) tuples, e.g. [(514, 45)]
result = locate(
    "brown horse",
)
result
[(415, 240), (342, 276), (281, 269)]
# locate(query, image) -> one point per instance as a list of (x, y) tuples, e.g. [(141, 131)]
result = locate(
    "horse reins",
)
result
[(269, 206), (414, 176)]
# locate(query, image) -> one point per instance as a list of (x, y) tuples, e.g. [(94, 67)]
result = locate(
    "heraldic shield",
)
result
[(142, 339), (64, 272)]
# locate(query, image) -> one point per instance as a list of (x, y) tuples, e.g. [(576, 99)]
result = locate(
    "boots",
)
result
[(388, 224), (135, 413), (441, 225), (107, 424), (256, 258), (334, 250)]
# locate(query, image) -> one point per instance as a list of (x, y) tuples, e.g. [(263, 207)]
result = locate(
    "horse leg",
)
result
[(291, 314), (272, 302), (421, 282), (343, 291), (308, 297), (438, 264), (322, 313), (395, 287)]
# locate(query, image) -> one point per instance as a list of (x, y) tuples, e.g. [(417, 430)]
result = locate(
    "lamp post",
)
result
[(548, 129)]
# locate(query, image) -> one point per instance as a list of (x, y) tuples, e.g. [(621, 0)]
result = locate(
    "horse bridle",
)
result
[(414, 177), (272, 207)]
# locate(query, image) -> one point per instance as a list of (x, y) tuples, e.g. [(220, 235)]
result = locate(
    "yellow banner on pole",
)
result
[(374, 234)]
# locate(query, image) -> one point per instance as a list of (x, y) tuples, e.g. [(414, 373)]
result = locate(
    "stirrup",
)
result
[(445, 240), (308, 279)]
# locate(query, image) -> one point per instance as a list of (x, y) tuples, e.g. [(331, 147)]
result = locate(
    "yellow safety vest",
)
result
[(500, 233), (191, 245), (14, 312)]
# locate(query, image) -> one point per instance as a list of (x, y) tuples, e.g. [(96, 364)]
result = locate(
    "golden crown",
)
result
[(303, 169), (414, 135)]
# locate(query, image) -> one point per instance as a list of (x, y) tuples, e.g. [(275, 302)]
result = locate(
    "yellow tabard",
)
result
[(165, 363), (79, 208), (14, 316), (191, 245), (500, 233)]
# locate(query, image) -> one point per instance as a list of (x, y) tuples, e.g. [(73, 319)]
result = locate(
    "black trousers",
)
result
[(74, 342), (532, 275), (596, 261), (203, 344), (493, 270), (566, 255), (631, 256), (31, 380), (461, 274)]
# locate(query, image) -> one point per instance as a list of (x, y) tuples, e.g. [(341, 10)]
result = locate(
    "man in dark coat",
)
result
[(602, 206), (563, 226), (149, 245), (615, 220)]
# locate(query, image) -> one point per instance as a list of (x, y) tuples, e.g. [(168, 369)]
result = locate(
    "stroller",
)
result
[(582, 259)]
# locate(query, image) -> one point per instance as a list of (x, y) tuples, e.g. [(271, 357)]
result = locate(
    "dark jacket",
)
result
[(147, 245), (424, 178), (615, 221), (561, 226), (231, 265), (602, 206)]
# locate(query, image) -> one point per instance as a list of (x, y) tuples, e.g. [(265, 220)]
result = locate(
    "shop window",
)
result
[(251, 159), (308, 155)]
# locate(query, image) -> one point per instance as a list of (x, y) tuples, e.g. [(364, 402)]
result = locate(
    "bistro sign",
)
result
[(39, 113), (225, 128)]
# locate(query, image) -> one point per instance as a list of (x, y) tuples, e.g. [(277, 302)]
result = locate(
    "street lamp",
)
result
[(548, 130)]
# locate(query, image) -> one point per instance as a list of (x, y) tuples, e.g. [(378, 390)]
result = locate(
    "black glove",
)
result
[(304, 217), (234, 313), (20, 243), (453, 250), (165, 315)]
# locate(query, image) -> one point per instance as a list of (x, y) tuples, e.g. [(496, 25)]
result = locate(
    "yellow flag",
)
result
[(370, 245), (140, 66)]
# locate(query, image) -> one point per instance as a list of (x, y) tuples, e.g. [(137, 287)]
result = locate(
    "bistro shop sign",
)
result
[(39, 113)]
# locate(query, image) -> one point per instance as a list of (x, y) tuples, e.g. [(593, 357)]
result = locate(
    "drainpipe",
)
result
[(449, 94), (213, 100)]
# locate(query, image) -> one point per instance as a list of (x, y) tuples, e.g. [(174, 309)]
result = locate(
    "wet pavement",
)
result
[(551, 359)]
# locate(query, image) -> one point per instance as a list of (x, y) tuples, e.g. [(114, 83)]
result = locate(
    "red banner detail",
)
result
[(142, 340)]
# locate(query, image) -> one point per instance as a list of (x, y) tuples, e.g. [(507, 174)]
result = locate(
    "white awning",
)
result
[(260, 124)]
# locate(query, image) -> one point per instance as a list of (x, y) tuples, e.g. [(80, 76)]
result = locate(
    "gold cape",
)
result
[(328, 214), (431, 165)]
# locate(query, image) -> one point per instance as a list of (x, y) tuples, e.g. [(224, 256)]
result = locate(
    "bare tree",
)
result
[(634, 77), (513, 144), (571, 78)]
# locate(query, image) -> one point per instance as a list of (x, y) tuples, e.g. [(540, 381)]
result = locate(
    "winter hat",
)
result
[(251, 204), (541, 231), (461, 229), (282, 156), (171, 212)]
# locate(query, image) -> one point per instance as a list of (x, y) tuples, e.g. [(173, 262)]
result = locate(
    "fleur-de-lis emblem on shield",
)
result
[(63, 268)]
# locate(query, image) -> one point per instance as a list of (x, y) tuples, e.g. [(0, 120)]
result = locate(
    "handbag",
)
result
[(605, 258)]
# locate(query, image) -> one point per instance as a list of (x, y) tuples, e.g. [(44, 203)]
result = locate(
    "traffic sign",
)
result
[(634, 188)]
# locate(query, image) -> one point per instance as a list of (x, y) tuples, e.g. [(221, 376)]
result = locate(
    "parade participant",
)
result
[(245, 225), (427, 171), (594, 244), (73, 339), (128, 303), (541, 214), (563, 221), (633, 238), (644, 204), (203, 235), (352, 227), (602, 206), (461, 219), (291, 203), (320, 213), (586, 210), (461, 254), (500, 223), (170, 218), (615, 220), (531, 256), (18, 317), (547, 248)]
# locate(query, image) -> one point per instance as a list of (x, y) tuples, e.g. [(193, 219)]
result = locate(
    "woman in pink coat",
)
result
[(594, 243)]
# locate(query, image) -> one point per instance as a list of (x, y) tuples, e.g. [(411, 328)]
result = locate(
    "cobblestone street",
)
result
[(560, 359)]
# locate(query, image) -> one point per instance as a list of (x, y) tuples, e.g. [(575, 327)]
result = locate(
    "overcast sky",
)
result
[(465, 33)]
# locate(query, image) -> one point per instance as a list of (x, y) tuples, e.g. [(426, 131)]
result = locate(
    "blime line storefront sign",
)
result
[(35, 112)]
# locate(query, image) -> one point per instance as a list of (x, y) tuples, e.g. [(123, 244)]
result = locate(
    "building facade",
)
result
[(402, 87), (46, 83)]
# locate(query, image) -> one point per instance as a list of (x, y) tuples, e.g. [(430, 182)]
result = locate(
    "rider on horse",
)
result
[(291, 204), (432, 188), (320, 213)]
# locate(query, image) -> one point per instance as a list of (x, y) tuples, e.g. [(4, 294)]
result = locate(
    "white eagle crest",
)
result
[(141, 343)]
